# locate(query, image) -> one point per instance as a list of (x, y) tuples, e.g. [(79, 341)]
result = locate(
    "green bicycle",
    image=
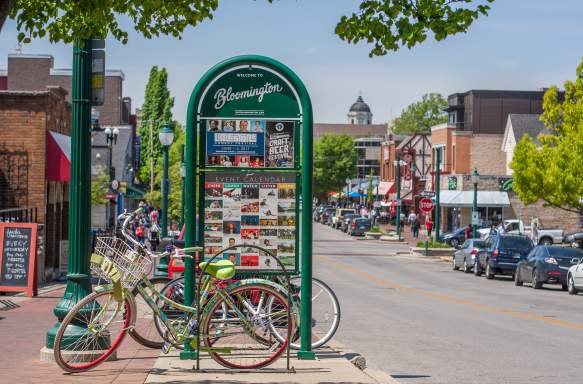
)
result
[(234, 327)]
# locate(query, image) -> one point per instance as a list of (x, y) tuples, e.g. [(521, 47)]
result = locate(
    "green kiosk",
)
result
[(246, 118)]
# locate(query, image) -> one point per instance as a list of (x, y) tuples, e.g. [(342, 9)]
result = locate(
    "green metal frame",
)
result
[(195, 172)]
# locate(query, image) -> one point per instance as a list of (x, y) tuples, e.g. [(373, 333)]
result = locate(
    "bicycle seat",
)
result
[(222, 269)]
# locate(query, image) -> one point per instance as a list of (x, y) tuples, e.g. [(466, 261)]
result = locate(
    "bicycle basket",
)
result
[(131, 265)]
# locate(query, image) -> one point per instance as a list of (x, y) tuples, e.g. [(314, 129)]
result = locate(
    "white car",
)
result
[(575, 278)]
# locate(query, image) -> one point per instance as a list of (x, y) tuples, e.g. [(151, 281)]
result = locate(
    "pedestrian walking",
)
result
[(468, 231), (415, 227), (428, 226)]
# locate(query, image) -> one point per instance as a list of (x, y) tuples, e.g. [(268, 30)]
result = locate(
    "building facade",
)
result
[(34, 174)]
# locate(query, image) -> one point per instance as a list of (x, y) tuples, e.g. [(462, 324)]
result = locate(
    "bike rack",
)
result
[(284, 272)]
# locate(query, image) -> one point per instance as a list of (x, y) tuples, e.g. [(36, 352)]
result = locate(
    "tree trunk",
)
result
[(5, 6)]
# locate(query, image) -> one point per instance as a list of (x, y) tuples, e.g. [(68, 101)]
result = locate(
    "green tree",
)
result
[(420, 116), (157, 109), (387, 24), (392, 24), (334, 161), (370, 190), (552, 171), (99, 188)]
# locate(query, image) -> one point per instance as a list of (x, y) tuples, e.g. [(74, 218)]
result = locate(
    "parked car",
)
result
[(359, 226), (340, 213), (465, 257), (517, 227), (346, 222), (320, 210), (547, 265), (455, 237), (325, 214), (575, 277), (574, 239), (500, 255)]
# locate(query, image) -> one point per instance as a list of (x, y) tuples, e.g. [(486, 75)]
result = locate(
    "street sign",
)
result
[(97, 77), (475, 218), (426, 205), (427, 193)]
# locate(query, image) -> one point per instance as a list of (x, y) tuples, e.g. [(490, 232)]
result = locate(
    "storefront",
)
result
[(493, 207)]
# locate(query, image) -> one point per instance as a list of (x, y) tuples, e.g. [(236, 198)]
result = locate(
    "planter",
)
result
[(391, 239), (433, 251), (372, 235)]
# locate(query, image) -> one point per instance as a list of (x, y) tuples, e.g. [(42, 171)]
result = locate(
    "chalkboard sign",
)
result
[(18, 257)]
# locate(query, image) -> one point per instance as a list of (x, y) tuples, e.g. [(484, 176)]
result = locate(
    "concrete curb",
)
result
[(359, 362)]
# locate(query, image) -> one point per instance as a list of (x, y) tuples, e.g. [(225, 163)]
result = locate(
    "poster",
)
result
[(252, 143), (251, 209), (279, 147)]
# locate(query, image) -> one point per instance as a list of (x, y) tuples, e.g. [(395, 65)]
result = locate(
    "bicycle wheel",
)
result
[(145, 330), (173, 290), (325, 313), (235, 345), (97, 325)]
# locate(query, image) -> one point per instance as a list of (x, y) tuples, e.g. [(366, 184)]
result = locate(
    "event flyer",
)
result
[(251, 209), (251, 143)]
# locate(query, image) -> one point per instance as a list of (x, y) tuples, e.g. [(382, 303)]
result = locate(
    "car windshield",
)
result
[(565, 252), (346, 212), (515, 242)]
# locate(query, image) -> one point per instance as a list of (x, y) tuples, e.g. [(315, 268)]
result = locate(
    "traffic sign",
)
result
[(426, 205), (475, 218), (427, 193)]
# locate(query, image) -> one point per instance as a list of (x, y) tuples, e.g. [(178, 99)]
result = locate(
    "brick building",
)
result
[(474, 138), (36, 72), (34, 131)]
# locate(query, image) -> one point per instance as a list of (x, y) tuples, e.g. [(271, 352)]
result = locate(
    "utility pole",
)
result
[(398, 194), (437, 190)]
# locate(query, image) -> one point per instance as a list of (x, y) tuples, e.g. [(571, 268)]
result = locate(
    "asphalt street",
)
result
[(421, 322)]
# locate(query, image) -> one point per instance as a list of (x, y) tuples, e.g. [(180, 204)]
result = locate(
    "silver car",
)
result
[(465, 256)]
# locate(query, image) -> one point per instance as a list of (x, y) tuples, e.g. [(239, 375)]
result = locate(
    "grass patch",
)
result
[(375, 229), (432, 244)]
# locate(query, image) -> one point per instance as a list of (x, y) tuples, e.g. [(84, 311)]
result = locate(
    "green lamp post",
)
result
[(166, 136), (475, 179), (78, 273), (398, 165)]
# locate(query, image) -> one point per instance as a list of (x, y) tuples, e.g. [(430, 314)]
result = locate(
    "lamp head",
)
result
[(475, 177), (166, 135)]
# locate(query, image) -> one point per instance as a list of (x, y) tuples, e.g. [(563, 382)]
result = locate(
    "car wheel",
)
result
[(489, 273), (545, 241), (517, 281), (454, 243), (564, 287), (453, 264), (536, 284), (477, 269), (571, 285), (466, 267)]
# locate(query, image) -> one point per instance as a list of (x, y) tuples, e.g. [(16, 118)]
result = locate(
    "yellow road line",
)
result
[(451, 299)]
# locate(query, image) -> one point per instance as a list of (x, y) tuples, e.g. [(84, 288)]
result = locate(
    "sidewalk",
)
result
[(22, 335), (406, 234), (331, 367)]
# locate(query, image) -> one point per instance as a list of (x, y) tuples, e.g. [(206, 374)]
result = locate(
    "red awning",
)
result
[(58, 157), (386, 187)]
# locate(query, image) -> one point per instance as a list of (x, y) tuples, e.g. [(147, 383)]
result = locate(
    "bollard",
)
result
[(426, 248)]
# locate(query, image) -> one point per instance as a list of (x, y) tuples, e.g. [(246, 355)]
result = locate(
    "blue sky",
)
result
[(523, 44)]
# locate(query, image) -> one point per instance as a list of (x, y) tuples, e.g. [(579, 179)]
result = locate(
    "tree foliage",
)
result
[(552, 172), (420, 116), (99, 188), (68, 20), (334, 161), (392, 24), (387, 24), (156, 110)]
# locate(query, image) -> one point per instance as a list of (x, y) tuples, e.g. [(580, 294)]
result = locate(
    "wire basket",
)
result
[(131, 265)]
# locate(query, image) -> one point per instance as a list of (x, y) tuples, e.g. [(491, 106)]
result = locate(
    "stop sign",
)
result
[(426, 205)]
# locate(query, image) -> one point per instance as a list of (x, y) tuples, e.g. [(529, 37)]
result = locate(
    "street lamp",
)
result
[(166, 136), (111, 139), (475, 180)]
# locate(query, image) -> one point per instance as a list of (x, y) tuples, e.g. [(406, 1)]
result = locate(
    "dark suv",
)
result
[(501, 254)]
